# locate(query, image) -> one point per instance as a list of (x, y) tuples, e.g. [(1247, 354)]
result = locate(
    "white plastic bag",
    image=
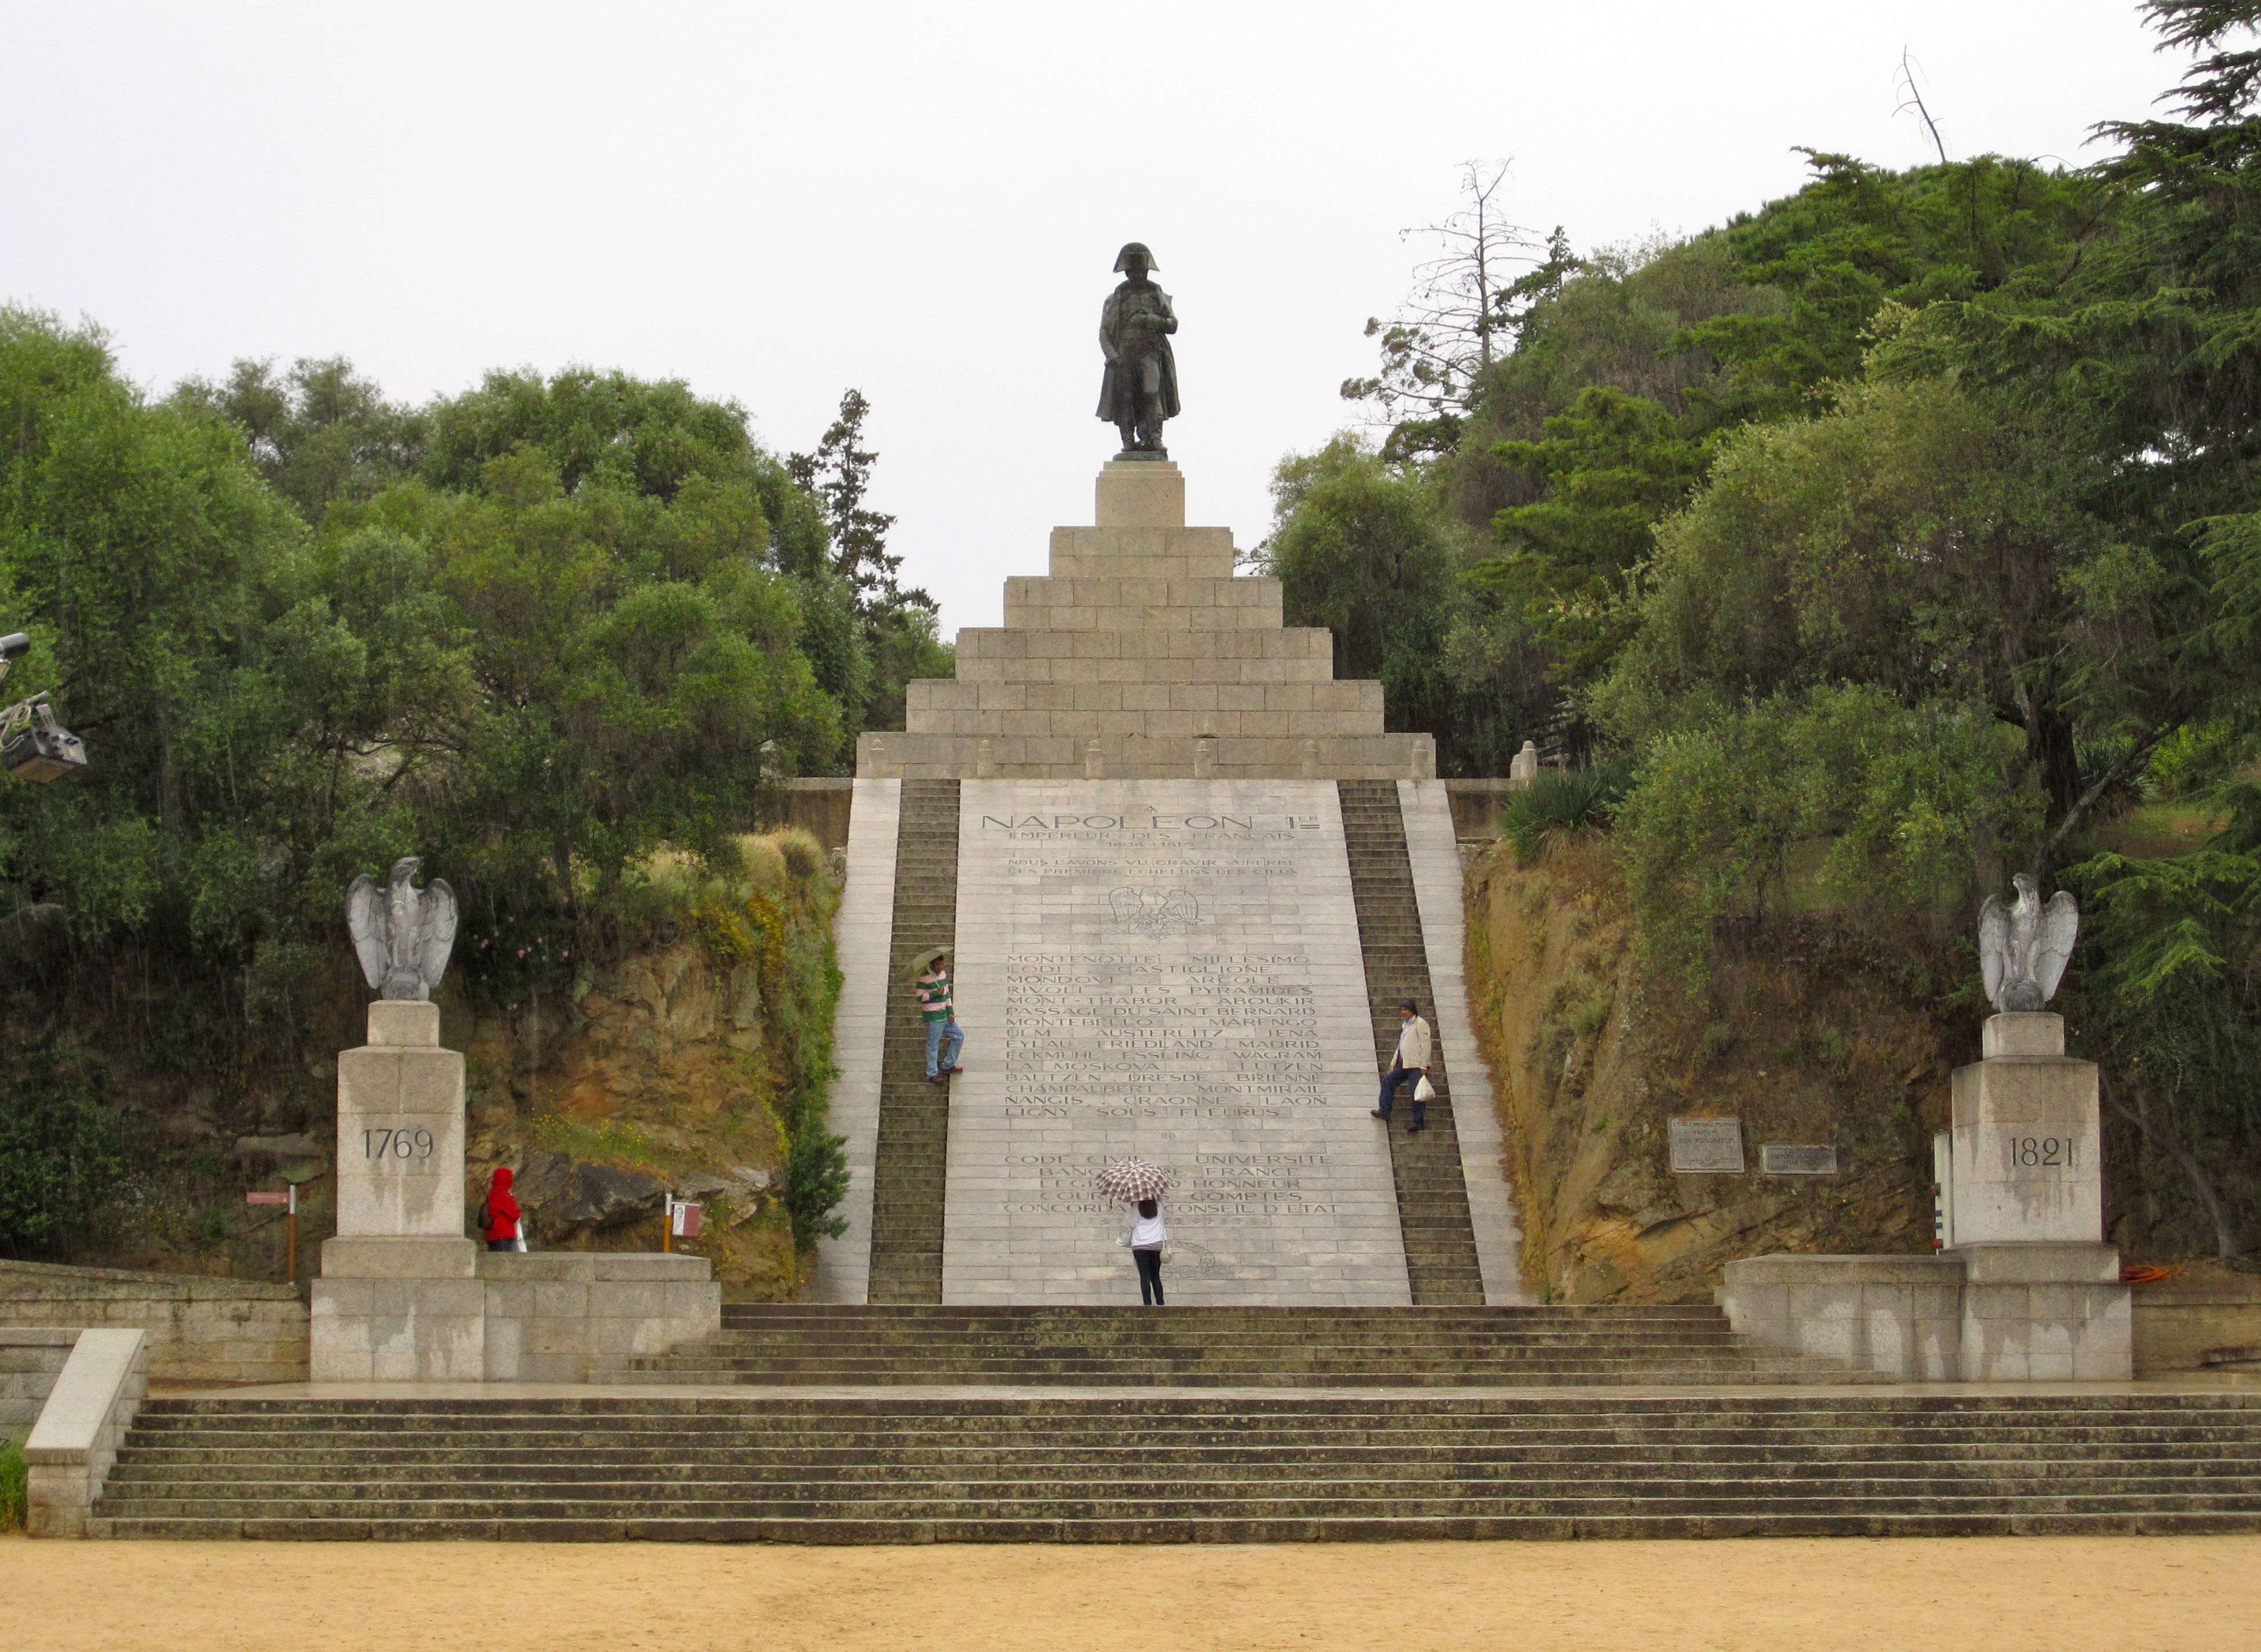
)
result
[(1423, 1090), (518, 1234)]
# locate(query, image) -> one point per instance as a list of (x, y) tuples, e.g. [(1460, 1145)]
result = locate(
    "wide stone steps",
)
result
[(1229, 1346), (1173, 1468)]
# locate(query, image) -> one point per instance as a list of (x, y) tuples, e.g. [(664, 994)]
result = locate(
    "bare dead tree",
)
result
[(1452, 326), (1911, 98)]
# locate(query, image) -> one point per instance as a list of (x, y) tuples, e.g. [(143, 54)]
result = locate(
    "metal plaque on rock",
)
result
[(1714, 1145), (1786, 1158)]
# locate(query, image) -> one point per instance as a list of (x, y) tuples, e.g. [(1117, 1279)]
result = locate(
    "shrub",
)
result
[(815, 1180), (1878, 809), (15, 1486), (803, 855), (1563, 801), (61, 1152)]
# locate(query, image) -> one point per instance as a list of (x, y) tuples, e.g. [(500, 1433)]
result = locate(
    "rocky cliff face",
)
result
[(1805, 1042), (664, 1082), (675, 1065)]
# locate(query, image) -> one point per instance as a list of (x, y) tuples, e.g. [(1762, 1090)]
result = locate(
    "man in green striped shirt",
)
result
[(944, 1037)]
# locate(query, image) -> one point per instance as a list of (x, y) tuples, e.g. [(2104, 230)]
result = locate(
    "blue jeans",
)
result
[(943, 1040), (1390, 1080)]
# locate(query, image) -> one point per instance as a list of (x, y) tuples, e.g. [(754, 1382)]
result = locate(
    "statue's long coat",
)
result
[(1131, 349)]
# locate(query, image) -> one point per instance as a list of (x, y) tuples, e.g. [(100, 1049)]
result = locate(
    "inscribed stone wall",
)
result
[(1167, 970)]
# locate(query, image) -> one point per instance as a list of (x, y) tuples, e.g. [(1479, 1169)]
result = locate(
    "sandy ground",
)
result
[(1939, 1595)]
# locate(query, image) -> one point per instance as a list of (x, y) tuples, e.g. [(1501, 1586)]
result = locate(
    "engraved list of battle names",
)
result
[(1167, 970)]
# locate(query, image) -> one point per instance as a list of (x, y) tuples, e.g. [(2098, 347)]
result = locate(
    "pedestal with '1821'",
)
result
[(2022, 1191)]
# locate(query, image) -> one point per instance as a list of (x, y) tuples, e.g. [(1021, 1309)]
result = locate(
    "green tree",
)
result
[(1363, 551), (1862, 802), (635, 661), (1930, 543), (1613, 467), (61, 1151), (319, 432), (899, 634), (1859, 240)]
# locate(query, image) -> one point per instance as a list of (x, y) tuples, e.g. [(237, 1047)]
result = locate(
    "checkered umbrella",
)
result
[(1133, 1180)]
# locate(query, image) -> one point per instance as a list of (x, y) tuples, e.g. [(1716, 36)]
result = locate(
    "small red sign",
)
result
[(267, 1198)]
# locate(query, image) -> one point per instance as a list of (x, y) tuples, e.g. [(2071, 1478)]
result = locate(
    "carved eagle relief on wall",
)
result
[(1155, 911)]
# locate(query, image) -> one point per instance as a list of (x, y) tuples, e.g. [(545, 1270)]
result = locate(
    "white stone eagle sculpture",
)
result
[(403, 934), (2023, 947)]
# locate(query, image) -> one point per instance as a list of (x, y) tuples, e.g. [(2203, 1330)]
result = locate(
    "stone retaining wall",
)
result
[(2177, 1322), (200, 1330), (29, 1359)]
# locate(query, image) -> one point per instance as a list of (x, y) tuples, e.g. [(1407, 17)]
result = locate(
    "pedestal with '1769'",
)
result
[(399, 1298)]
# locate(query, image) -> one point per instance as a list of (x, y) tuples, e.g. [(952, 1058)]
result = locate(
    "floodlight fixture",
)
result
[(33, 746)]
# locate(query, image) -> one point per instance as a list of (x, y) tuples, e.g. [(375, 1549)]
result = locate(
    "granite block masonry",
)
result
[(1167, 970), (399, 1298), (1158, 949), (405, 1296), (2042, 1296), (2024, 1288), (1142, 656)]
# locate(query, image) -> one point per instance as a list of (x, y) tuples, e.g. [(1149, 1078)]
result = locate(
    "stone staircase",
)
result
[(841, 1345), (1187, 1469), (1433, 1195), (911, 1169)]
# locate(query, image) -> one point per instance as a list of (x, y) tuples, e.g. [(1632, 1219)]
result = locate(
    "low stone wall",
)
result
[(200, 1330), (819, 806), (539, 1317), (1983, 1313), (1897, 1314), (1476, 805), (566, 1316), (2178, 1322), (75, 1439), (29, 1359)]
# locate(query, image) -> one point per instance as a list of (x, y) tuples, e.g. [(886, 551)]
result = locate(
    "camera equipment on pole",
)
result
[(33, 746)]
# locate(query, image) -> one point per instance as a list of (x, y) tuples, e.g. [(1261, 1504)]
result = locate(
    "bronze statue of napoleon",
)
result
[(1140, 389)]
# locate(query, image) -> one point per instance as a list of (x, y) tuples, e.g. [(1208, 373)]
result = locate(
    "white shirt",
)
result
[(1145, 1232), (1413, 1045)]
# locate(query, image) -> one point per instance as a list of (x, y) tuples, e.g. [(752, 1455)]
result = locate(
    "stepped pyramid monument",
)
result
[(1142, 657), (1187, 878)]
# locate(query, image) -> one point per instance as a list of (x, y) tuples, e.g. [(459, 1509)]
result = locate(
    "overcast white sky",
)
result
[(773, 201)]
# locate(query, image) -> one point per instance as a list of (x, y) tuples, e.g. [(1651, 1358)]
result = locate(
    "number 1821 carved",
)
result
[(2041, 1152)]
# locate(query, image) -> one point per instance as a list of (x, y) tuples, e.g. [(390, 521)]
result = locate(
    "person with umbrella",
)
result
[(931, 980), (1144, 1231)]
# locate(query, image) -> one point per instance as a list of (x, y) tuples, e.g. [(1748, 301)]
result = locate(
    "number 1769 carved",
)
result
[(396, 1144)]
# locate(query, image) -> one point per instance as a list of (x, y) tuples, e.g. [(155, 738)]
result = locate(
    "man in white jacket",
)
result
[(1409, 1061)]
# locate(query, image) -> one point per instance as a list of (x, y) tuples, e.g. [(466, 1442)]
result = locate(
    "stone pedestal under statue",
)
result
[(2023, 1287), (1141, 654), (406, 1296), (399, 1298), (2023, 1202)]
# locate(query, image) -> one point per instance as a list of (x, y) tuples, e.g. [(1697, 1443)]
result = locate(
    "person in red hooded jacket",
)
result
[(501, 1212)]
